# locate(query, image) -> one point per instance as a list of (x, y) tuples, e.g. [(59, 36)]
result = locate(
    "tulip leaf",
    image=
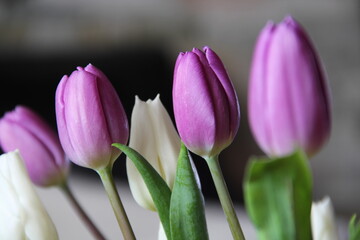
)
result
[(187, 214), (278, 195), (159, 190), (354, 228)]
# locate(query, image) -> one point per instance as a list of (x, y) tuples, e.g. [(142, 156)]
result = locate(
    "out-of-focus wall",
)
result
[(68, 28)]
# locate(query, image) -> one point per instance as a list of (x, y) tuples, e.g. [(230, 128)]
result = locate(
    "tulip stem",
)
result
[(224, 196), (80, 211), (114, 198)]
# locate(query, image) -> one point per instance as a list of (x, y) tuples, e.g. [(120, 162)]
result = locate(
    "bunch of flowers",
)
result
[(289, 115)]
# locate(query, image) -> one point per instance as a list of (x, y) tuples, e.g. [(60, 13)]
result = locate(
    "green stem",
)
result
[(80, 211), (114, 198), (224, 197)]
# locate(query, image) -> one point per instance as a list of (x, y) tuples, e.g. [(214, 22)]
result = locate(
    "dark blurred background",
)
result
[(135, 43)]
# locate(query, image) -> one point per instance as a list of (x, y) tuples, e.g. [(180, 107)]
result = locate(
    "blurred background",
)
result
[(136, 42)]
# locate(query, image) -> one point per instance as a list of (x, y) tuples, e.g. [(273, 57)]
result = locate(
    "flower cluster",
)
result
[(289, 115)]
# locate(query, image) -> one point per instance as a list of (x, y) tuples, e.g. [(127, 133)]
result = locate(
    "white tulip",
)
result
[(22, 215), (323, 222), (154, 136)]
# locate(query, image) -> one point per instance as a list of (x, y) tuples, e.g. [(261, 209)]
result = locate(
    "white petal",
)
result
[(167, 140), (142, 140), (154, 136), (161, 234), (323, 221), (22, 215)]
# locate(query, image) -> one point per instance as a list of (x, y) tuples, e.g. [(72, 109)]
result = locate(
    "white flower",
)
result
[(154, 136), (323, 221), (22, 215)]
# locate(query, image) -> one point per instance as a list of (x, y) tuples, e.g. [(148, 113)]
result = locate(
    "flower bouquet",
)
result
[(289, 115)]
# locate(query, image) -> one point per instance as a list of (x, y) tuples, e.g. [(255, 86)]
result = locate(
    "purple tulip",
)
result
[(90, 117), (288, 92), (206, 107), (38, 144)]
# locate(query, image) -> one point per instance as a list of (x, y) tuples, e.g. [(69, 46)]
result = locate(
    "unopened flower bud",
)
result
[(23, 217), (288, 92), (90, 117), (323, 224), (206, 107), (154, 136), (45, 160)]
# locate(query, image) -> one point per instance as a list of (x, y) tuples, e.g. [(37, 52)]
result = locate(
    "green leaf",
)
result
[(159, 190), (354, 228), (187, 215), (278, 197)]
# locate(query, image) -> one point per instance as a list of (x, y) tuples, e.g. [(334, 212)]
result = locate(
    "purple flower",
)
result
[(90, 117), (38, 144), (288, 92), (206, 107)]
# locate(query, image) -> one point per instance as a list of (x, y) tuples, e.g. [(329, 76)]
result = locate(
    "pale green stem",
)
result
[(114, 198), (225, 198), (80, 211)]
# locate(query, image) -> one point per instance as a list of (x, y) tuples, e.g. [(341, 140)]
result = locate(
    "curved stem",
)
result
[(225, 198), (80, 211), (114, 198)]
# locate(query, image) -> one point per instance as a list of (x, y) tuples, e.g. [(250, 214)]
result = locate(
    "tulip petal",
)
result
[(41, 130), (87, 127), (257, 90), (288, 94), (161, 233), (166, 139), (193, 104), (61, 122), (42, 173), (44, 158), (22, 216), (111, 106), (219, 69), (218, 100), (142, 138), (154, 136), (323, 223), (90, 117), (205, 104)]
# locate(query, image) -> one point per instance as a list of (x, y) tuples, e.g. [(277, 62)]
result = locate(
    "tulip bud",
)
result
[(153, 135), (206, 107), (323, 223), (44, 158), (90, 117), (288, 92), (23, 217)]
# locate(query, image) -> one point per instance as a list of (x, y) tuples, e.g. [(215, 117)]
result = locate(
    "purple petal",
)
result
[(193, 104)]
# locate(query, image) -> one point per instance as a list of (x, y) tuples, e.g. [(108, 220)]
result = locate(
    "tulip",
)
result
[(90, 117), (23, 217), (206, 107), (44, 158), (207, 116), (154, 136), (323, 221), (288, 92)]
